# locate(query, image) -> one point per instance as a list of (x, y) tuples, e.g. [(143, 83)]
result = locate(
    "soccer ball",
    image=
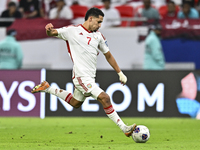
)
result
[(141, 134)]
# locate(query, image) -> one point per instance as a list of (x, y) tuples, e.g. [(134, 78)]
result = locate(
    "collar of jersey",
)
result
[(86, 29)]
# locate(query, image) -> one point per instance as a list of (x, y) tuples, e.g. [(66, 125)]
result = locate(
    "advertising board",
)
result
[(146, 94), (16, 98)]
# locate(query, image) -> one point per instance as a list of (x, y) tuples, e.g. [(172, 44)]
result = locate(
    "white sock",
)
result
[(66, 96), (112, 114)]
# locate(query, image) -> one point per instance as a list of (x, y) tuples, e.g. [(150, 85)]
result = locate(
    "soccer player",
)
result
[(84, 42)]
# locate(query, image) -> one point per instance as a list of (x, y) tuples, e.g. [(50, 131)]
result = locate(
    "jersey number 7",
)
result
[(89, 40)]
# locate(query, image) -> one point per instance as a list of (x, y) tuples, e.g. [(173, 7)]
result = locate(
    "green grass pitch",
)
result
[(91, 133)]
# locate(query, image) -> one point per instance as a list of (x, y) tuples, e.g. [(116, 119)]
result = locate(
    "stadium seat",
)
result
[(162, 10), (98, 6), (126, 11), (79, 10)]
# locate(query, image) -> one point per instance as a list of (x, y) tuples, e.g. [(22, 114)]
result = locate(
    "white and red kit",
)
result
[(83, 47)]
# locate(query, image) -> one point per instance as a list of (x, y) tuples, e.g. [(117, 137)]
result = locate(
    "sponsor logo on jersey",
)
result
[(89, 85), (81, 33)]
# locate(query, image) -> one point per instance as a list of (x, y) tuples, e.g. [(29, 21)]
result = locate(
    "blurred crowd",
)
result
[(114, 10)]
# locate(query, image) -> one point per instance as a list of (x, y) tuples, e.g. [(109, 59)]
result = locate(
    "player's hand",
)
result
[(49, 27), (122, 78)]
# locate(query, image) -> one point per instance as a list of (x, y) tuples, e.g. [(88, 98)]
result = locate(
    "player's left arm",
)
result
[(111, 60)]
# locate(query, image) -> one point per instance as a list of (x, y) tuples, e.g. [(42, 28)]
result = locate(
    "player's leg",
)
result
[(104, 99), (63, 94), (88, 86)]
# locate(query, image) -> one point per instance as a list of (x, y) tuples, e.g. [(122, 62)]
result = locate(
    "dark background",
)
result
[(170, 79)]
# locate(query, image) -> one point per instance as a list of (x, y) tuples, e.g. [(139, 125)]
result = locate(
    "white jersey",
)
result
[(83, 47)]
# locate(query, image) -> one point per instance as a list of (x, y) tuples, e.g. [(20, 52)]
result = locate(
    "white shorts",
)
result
[(85, 87)]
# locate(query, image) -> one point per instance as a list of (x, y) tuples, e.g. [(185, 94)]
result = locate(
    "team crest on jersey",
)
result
[(89, 85), (95, 36)]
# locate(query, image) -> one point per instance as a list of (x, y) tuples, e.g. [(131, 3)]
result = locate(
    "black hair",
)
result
[(11, 32), (11, 4), (171, 2), (106, 0), (187, 3), (154, 26), (93, 12)]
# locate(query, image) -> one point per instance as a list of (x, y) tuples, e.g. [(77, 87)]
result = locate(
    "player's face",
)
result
[(171, 7), (186, 8), (95, 23)]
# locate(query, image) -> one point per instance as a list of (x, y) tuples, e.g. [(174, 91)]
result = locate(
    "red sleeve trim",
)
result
[(103, 36)]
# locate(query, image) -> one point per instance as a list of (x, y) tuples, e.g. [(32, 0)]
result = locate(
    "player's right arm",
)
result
[(50, 30)]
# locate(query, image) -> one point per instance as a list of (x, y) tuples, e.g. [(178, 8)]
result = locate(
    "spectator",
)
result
[(188, 12), (11, 12), (154, 57), (61, 11), (10, 52), (29, 8), (148, 11), (171, 11), (112, 16), (4, 4), (47, 5)]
